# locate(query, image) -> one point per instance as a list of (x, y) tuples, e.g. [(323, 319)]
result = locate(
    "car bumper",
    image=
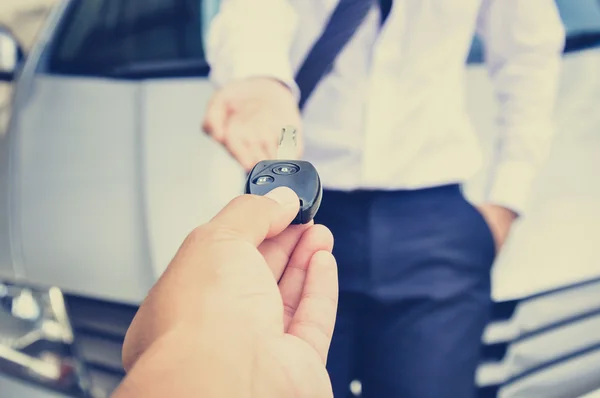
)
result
[(14, 388)]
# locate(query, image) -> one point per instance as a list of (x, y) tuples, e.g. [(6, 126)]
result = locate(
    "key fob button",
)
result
[(285, 169), (263, 180)]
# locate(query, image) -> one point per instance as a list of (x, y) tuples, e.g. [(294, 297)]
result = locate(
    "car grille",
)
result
[(99, 328)]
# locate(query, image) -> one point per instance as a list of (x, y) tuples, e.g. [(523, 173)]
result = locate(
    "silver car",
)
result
[(104, 170)]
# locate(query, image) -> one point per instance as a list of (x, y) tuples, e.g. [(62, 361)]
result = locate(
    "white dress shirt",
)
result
[(392, 113)]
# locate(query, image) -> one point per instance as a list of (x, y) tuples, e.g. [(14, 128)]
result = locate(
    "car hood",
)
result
[(107, 178)]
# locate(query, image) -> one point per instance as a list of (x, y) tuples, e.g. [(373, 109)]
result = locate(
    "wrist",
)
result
[(503, 211), (270, 83), (206, 363), (281, 83), (274, 82), (500, 220)]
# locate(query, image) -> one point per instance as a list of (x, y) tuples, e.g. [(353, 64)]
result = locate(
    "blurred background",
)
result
[(25, 18), (103, 171)]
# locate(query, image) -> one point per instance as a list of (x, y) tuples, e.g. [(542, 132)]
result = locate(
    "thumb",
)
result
[(254, 218)]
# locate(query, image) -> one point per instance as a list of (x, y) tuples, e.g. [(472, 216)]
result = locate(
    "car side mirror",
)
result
[(11, 55)]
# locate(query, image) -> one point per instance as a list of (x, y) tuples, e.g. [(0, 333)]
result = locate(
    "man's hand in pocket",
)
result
[(500, 220), (247, 117)]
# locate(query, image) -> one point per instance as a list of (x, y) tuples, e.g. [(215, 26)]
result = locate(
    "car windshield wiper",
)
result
[(155, 69), (582, 41), (133, 70)]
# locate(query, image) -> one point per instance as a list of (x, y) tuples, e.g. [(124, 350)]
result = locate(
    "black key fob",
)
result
[(300, 176)]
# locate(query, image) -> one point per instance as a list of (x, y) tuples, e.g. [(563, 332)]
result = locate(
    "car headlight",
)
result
[(36, 339)]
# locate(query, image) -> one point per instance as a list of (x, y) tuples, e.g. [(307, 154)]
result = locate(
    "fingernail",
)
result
[(284, 196)]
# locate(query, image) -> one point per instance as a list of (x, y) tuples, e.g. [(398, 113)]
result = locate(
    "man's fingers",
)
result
[(292, 282), (246, 155), (215, 121), (278, 250), (253, 218), (314, 319), (244, 141)]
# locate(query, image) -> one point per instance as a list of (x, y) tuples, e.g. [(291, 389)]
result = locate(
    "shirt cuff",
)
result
[(250, 38), (512, 185)]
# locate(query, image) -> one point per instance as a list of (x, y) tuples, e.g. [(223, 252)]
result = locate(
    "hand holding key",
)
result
[(300, 176), (248, 303), (245, 116)]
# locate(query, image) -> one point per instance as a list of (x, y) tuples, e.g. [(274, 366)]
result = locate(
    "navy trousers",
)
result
[(414, 274)]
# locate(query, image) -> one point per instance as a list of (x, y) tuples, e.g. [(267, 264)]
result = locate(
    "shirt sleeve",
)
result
[(524, 40), (252, 38)]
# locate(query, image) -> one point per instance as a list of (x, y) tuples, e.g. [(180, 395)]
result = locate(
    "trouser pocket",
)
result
[(481, 229)]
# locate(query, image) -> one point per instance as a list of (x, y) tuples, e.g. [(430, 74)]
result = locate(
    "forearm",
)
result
[(524, 42), (252, 38)]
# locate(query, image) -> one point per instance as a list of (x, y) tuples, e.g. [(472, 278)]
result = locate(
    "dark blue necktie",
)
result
[(343, 23), (386, 7)]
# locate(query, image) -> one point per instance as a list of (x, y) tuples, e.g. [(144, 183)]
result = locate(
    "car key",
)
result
[(299, 175)]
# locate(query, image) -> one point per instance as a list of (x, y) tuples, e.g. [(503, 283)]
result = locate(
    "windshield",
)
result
[(165, 38), (130, 39)]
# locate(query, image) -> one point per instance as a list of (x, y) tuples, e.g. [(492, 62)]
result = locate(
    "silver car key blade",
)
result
[(287, 144)]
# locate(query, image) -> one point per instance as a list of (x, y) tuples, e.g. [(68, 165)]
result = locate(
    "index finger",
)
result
[(314, 319), (254, 218)]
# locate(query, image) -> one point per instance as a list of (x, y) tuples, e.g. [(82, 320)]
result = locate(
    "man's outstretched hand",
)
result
[(246, 116), (245, 309)]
